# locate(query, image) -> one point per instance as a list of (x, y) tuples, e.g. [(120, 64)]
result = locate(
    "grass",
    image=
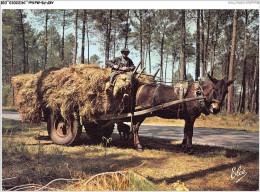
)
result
[(31, 161), (245, 122), (10, 108)]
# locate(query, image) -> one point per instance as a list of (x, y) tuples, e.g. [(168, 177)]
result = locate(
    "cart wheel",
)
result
[(63, 132), (96, 131)]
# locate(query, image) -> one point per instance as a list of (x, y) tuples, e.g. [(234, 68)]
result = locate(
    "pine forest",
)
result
[(183, 44)]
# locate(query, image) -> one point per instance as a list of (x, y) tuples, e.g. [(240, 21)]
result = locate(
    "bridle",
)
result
[(209, 99), (215, 101)]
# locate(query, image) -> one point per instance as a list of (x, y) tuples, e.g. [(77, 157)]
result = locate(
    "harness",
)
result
[(181, 90), (154, 93), (199, 93), (212, 100)]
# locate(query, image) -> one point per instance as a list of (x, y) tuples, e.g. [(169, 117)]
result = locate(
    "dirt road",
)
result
[(11, 115), (204, 136)]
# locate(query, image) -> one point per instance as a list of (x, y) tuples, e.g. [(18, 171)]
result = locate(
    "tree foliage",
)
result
[(179, 42)]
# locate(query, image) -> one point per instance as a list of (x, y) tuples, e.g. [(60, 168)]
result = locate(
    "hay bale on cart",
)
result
[(70, 97)]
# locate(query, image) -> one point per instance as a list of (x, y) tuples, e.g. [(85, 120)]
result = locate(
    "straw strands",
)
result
[(78, 88), (107, 181)]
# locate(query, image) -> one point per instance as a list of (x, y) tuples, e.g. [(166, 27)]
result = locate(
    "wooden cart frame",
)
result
[(68, 133)]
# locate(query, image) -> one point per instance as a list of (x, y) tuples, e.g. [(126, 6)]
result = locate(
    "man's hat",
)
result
[(125, 50)]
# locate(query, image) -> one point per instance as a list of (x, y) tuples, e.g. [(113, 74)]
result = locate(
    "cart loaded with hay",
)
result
[(74, 97)]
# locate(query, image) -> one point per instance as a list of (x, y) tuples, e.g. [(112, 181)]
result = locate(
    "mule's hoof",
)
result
[(139, 148)]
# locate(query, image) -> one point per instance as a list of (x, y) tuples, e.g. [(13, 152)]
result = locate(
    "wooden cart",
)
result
[(68, 132)]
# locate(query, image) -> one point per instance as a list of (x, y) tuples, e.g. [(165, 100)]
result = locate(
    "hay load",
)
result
[(78, 88)]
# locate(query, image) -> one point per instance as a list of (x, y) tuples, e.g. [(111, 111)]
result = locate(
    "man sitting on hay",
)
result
[(122, 64)]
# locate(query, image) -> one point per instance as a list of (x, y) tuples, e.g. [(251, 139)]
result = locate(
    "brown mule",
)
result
[(153, 95)]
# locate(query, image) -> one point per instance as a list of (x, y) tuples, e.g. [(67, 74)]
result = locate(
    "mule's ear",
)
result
[(230, 82), (213, 79)]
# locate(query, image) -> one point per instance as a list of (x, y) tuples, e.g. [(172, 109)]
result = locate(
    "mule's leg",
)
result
[(136, 126), (124, 135), (188, 133), (120, 134), (184, 141)]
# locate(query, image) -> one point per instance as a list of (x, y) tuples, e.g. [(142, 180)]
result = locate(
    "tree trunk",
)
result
[(108, 34), (230, 104), (36, 66), (256, 82), (12, 69), (23, 42), (214, 38), (202, 74), (127, 28), (141, 36), (211, 53), (252, 100), (83, 37), (212, 56), (242, 107), (27, 57), (46, 40), (166, 65), (87, 36), (249, 98), (173, 62), (145, 55), (51, 43), (197, 70), (149, 55), (255, 88), (239, 100), (12, 58), (162, 47), (63, 38), (182, 56), (149, 44), (76, 38), (207, 43), (114, 53)]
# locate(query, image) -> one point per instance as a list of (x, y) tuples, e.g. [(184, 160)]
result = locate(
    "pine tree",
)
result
[(183, 48), (230, 104), (83, 36), (197, 69), (242, 109), (76, 38), (25, 64)]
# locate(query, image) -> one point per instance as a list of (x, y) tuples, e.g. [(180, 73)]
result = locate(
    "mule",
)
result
[(153, 95)]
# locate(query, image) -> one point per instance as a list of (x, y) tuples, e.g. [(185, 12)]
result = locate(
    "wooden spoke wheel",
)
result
[(63, 132)]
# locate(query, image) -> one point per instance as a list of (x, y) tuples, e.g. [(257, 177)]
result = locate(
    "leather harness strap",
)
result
[(154, 93), (140, 89), (210, 94)]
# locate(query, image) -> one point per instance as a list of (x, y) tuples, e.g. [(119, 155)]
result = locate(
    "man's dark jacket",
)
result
[(122, 62)]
